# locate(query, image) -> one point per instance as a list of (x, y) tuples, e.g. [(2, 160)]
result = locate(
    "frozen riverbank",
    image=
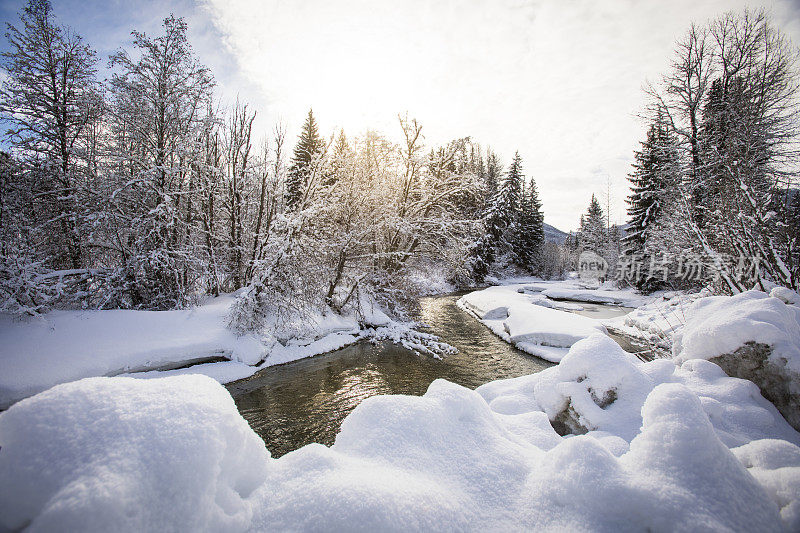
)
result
[(61, 346)]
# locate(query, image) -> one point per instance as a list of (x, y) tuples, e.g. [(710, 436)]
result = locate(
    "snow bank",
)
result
[(37, 353), (62, 346), (593, 296), (524, 321), (173, 454), (111, 454), (549, 327)]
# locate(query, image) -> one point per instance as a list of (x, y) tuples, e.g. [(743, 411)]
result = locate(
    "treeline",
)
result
[(714, 177), (142, 191)]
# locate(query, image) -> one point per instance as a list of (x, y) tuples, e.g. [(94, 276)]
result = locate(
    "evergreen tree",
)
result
[(501, 217), (309, 147), (342, 154), (654, 178), (530, 233), (592, 234), (497, 217), (493, 172)]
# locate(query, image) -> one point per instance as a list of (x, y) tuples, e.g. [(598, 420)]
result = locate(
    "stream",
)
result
[(305, 401)]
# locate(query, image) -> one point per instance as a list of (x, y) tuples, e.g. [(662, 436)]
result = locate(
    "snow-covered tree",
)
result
[(593, 233), (51, 102), (160, 95), (654, 181), (306, 153), (731, 99)]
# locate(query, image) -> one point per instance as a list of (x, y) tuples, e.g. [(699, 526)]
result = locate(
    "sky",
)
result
[(560, 81)]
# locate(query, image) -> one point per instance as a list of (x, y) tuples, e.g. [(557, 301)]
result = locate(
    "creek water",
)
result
[(305, 401)]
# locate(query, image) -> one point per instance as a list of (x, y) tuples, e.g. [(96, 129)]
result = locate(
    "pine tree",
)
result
[(654, 179), (501, 217), (496, 218), (341, 158), (530, 233), (592, 233), (309, 147), (493, 172)]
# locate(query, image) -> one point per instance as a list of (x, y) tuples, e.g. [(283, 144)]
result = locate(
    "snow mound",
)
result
[(752, 336), (776, 466), (787, 296), (111, 454), (594, 296), (720, 325), (548, 327)]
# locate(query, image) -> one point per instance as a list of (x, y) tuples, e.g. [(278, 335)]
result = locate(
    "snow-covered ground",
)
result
[(663, 447), (61, 346)]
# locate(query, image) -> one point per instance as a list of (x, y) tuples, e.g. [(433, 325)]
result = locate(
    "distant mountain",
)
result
[(555, 235)]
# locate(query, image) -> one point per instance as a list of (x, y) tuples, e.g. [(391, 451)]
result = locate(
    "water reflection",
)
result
[(302, 402)]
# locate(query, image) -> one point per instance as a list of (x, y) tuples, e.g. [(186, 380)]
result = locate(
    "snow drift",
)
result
[(662, 448), (110, 454)]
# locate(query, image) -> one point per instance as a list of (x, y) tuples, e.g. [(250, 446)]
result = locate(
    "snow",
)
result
[(787, 296), (223, 372), (549, 327), (657, 320), (721, 324), (62, 346), (112, 454), (672, 448), (578, 291), (775, 464), (529, 321)]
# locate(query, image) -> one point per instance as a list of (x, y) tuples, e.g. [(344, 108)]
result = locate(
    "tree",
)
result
[(501, 217), (529, 242), (494, 172), (50, 97), (159, 99), (306, 154), (731, 99), (655, 177), (592, 233)]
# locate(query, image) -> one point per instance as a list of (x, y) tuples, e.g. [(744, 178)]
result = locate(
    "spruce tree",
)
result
[(309, 147), (530, 232), (653, 180), (342, 154), (501, 217), (592, 233), (510, 190), (494, 170)]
